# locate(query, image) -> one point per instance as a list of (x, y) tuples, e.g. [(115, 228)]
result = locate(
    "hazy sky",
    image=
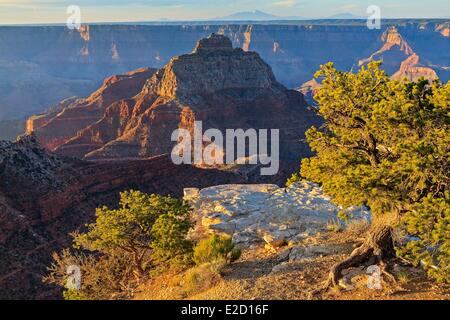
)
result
[(54, 11)]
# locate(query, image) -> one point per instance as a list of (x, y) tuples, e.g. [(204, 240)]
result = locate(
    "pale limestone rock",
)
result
[(255, 213), (274, 243), (297, 254), (214, 219)]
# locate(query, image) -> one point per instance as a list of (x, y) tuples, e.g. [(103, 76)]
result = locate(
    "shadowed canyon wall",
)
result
[(40, 66)]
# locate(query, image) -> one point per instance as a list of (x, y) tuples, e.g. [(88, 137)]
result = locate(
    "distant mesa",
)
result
[(398, 58), (256, 15), (347, 16), (39, 75)]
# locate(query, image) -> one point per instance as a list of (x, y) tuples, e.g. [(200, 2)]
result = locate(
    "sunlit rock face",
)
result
[(41, 66), (399, 58), (65, 120), (264, 212), (221, 86), (404, 52)]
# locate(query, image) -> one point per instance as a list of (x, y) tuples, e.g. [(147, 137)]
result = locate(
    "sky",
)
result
[(55, 11)]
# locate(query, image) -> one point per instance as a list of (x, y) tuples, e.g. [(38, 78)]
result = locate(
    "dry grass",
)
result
[(251, 278), (402, 278), (203, 277), (358, 226), (334, 226)]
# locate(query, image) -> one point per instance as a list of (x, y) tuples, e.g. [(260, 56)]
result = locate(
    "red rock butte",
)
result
[(133, 116)]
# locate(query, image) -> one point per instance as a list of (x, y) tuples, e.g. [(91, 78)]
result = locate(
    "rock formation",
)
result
[(399, 59), (45, 64), (264, 213), (223, 87), (309, 89), (444, 29), (44, 197), (74, 114)]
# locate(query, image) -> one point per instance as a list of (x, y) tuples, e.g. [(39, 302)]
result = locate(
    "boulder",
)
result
[(267, 213)]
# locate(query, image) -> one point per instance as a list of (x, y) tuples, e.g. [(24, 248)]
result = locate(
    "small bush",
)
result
[(125, 245), (214, 249), (334, 226), (103, 277), (73, 294), (202, 277)]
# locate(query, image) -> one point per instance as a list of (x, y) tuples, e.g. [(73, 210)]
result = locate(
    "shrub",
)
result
[(334, 226), (151, 228), (73, 294), (216, 248), (103, 276), (203, 276), (124, 245)]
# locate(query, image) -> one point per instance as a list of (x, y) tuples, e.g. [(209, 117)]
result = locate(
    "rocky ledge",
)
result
[(252, 214)]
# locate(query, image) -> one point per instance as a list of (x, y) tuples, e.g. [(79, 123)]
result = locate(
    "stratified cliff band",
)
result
[(73, 63), (223, 87)]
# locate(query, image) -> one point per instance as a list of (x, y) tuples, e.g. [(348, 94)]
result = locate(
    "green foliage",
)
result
[(293, 179), (214, 249), (123, 245), (143, 224), (429, 221), (385, 144), (73, 294)]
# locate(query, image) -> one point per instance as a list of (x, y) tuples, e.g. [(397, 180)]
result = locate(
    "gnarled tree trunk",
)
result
[(378, 248)]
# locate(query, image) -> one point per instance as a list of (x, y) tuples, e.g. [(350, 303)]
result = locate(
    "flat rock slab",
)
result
[(252, 213)]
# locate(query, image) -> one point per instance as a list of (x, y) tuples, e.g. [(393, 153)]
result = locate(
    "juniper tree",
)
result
[(151, 228), (123, 245), (386, 144)]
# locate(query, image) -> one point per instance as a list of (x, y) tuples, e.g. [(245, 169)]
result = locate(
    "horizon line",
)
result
[(169, 21)]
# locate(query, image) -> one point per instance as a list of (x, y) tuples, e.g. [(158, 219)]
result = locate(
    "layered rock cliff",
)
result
[(222, 86), (42, 65), (44, 197), (399, 59), (402, 56), (72, 115)]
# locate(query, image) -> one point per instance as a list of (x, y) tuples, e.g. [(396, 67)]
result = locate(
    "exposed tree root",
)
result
[(378, 247)]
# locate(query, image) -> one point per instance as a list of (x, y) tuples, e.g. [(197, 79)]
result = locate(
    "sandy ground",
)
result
[(251, 277)]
